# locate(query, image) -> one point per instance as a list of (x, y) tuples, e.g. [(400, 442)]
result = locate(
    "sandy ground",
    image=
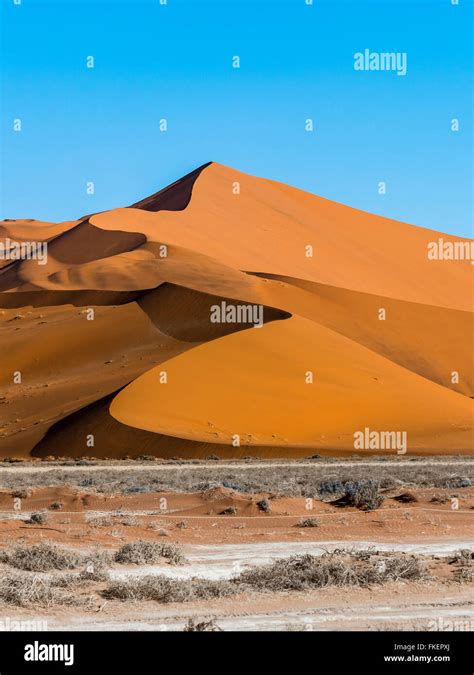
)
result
[(88, 517), (395, 606), (390, 608)]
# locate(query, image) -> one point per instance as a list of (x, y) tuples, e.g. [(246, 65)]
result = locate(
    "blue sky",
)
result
[(175, 62)]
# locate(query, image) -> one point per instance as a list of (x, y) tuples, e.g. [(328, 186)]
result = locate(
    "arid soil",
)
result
[(223, 531)]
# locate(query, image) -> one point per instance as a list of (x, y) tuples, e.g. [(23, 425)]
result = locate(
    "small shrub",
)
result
[(164, 590), (406, 498), (309, 522), (331, 487), (56, 506), (464, 557), (39, 518), (40, 558), (229, 511), (439, 499), (147, 553), (193, 626), (464, 566), (339, 568), (464, 575), (100, 521), (23, 493), (264, 505), (362, 494), (130, 522), (33, 591)]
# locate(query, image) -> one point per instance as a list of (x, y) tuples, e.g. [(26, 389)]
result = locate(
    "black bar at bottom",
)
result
[(151, 652)]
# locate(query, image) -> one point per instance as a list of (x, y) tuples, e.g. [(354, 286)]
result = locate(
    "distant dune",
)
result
[(360, 329)]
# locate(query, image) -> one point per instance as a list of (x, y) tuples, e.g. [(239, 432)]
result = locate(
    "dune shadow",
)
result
[(185, 314), (174, 197)]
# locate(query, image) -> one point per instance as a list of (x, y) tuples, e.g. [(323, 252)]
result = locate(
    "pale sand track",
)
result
[(391, 607), (27, 468)]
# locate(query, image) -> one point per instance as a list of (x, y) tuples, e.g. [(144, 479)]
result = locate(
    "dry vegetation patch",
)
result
[(339, 568), (148, 553), (40, 558), (297, 573), (33, 590), (163, 589)]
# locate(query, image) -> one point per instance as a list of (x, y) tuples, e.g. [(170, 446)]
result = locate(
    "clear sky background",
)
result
[(175, 62)]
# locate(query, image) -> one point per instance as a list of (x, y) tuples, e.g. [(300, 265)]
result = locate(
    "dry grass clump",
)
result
[(339, 568), (129, 522), (147, 553), (100, 521), (163, 589), (194, 626), (309, 522), (465, 575), (23, 590), (464, 557), (45, 557), (68, 582), (40, 558)]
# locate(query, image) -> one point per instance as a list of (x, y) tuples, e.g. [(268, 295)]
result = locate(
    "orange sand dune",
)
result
[(254, 384), (33, 230), (408, 335), (152, 273), (267, 227)]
